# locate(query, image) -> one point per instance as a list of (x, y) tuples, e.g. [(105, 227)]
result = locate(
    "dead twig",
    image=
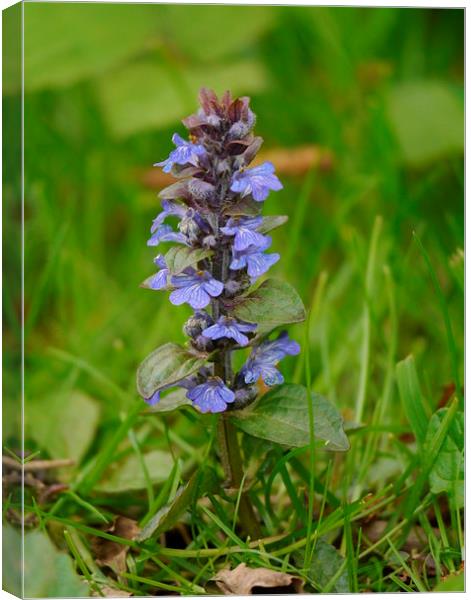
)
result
[(37, 465)]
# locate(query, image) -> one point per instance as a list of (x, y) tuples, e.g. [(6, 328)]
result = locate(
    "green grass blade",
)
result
[(411, 397), (446, 318)]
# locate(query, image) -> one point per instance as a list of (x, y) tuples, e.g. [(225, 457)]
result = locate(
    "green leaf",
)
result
[(272, 222), (171, 401), (161, 101), (203, 481), (428, 119), (48, 573), (272, 304), (281, 417), (246, 207), (447, 474), (179, 258), (451, 583), (64, 424), (165, 366), (127, 475), (411, 397), (326, 563), (65, 43)]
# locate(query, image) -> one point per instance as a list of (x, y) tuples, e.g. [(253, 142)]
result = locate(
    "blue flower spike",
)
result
[(213, 215)]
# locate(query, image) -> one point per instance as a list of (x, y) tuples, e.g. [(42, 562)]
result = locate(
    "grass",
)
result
[(374, 246)]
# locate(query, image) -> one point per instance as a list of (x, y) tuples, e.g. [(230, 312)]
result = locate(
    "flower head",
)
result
[(195, 288), (254, 259), (244, 230), (224, 252), (257, 181), (212, 396), (228, 327), (184, 153), (262, 361)]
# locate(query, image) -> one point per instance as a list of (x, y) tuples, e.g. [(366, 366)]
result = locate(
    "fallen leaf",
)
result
[(110, 592), (297, 160), (244, 580), (113, 554)]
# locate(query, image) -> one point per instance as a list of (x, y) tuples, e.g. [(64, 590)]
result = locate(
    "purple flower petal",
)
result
[(165, 233), (228, 327), (169, 208), (213, 287), (269, 374), (238, 262), (154, 399), (159, 261), (195, 288), (159, 280), (254, 259), (258, 264), (194, 295), (262, 360), (244, 232), (257, 181), (212, 396), (184, 153)]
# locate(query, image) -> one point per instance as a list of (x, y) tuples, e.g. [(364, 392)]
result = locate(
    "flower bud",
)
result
[(244, 397), (196, 324), (189, 227), (232, 287)]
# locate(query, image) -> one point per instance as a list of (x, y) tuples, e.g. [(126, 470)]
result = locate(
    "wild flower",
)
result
[(220, 251)]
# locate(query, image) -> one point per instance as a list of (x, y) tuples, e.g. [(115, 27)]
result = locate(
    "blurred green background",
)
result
[(378, 93)]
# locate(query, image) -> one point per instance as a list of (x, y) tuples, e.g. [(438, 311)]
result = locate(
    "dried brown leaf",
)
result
[(244, 580), (110, 592), (297, 160), (113, 554)]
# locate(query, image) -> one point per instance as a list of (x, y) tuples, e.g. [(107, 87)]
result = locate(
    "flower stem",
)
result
[(232, 462), (229, 448)]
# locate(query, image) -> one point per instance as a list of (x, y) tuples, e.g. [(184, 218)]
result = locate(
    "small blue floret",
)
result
[(184, 153), (257, 181)]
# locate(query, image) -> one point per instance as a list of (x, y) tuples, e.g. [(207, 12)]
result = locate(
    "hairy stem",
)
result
[(231, 459)]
